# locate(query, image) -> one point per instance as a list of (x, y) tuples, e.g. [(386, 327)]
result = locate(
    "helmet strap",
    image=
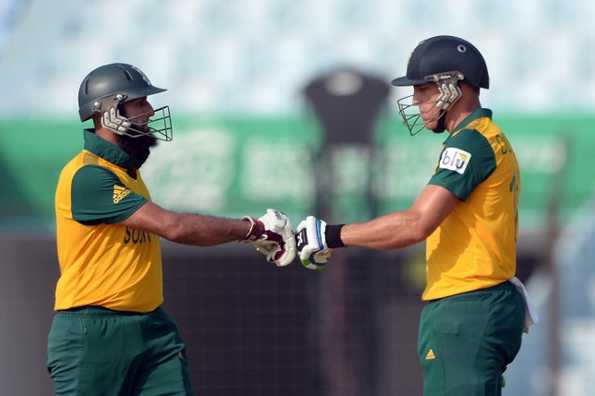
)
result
[(441, 126)]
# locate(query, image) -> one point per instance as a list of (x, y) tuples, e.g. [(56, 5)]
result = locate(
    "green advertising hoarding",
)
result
[(241, 165)]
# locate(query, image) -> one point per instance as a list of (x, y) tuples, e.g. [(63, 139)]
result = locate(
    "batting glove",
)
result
[(314, 239), (272, 236)]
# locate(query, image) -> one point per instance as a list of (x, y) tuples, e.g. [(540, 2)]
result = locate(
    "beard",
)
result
[(138, 147)]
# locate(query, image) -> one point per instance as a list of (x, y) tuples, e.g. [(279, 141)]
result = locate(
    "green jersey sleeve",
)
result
[(98, 196), (466, 160)]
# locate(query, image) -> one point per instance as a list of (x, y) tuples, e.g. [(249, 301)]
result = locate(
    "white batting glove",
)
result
[(272, 236), (311, 243)]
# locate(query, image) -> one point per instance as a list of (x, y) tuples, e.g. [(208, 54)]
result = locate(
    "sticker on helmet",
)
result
[(455, 159)]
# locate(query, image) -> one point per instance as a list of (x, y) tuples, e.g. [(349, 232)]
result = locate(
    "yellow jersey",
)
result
[(104, 263), (475, 246)]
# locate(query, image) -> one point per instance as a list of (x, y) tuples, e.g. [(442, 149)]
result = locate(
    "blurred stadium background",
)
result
[(258, 90)]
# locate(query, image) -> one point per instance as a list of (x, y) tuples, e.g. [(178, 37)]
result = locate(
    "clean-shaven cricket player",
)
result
[(109, 335), (474, 316)]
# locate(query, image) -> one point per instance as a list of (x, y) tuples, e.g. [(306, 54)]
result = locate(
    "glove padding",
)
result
[(273, 236), (311, 243)]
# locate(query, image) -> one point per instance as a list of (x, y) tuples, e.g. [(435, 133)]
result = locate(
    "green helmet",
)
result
[(445, 61), (107, 87)]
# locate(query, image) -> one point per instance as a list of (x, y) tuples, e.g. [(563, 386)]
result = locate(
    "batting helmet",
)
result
[(442, 54), (107, 87)]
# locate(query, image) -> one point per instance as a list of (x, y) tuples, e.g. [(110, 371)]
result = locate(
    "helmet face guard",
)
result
[(407, 110), (450, 93), (159, 125)]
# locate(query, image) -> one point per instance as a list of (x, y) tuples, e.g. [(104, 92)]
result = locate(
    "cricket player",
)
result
[(109, 335), (474, 315)]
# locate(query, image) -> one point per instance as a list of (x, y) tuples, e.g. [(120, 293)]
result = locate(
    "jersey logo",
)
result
[(120, 193), (430, 355), (454, 159)]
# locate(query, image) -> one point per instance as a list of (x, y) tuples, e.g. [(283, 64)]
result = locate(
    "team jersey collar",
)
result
[(109, 151), (477, 113)]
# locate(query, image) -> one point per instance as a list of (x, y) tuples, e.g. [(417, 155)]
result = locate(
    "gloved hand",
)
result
[(311, 243), (272, 236)]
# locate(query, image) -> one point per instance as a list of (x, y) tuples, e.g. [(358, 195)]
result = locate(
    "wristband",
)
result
[(332, 235), (256, 229)]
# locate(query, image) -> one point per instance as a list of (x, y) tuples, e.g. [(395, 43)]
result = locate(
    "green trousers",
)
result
[(467, 340), (98, 352)]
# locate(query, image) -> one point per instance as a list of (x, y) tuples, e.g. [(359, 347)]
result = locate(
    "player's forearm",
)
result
[(202, 230), (392, 231)]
